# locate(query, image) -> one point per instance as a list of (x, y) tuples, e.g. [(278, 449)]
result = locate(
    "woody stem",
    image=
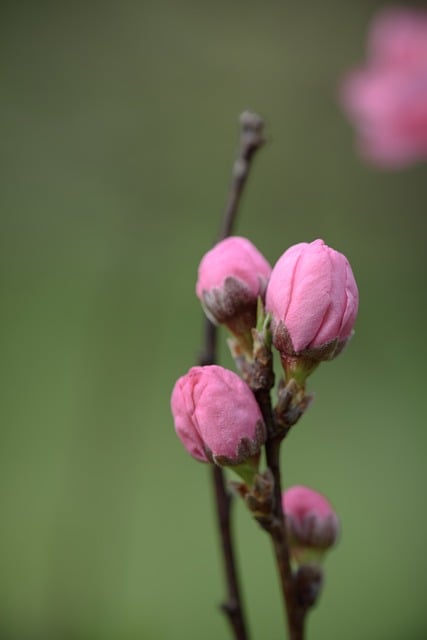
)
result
[(251, 139)]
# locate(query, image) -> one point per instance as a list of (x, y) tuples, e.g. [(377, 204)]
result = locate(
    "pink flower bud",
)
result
[(216, 416), (387, 99), (231, 277), (311, 522), (313, 299)]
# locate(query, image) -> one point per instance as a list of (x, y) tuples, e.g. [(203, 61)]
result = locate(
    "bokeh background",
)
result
[(118, 129)]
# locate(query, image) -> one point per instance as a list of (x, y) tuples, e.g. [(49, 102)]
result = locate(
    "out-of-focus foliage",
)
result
[(118, 129)]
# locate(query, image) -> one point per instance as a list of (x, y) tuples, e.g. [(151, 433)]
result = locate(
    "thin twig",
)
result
[(295, 615), (251, 139), (232, 607)]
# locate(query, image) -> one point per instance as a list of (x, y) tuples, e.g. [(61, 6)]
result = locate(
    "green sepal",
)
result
[(263, 322), (298, 368), (247, 470)]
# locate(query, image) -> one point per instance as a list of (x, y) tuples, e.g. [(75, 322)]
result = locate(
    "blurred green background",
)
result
[(118, 130)]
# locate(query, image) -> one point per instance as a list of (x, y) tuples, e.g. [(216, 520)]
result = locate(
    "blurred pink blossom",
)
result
[(313, 299), (387, 98), (216, 416)]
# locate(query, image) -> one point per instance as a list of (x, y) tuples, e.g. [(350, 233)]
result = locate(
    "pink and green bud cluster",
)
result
[(231, 277), (313, 299), (312, 524), (217, 417)]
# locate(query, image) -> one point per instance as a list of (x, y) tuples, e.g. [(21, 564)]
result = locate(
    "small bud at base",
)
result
[(312, 524)]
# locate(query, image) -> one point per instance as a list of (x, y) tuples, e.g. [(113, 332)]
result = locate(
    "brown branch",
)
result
[(232, 607), (294, 614), (251, 139), (276, 527)]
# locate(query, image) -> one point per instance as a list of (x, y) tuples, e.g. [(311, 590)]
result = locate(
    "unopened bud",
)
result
[(231, 276), (218, 419), (313, 299), (312, 524)]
